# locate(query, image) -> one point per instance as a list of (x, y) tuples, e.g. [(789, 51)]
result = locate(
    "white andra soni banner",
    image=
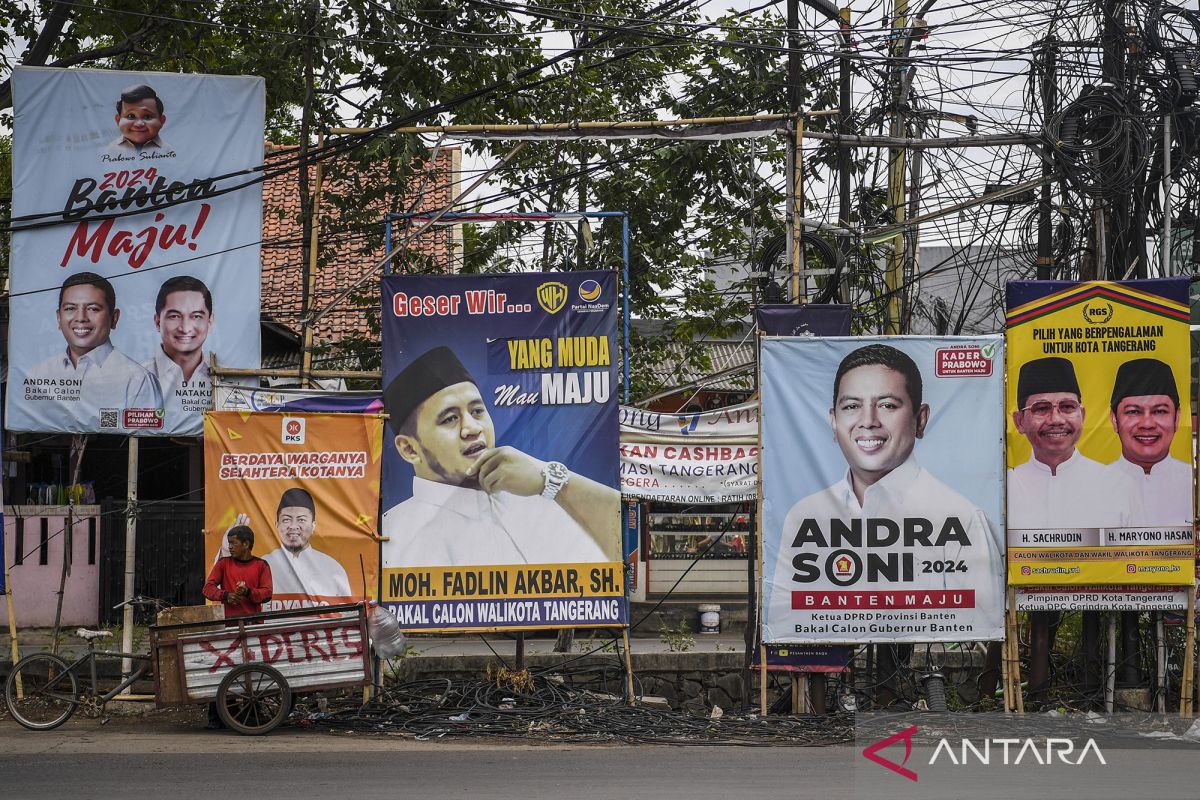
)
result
[(695, 458), (135, 254), (882, 489)]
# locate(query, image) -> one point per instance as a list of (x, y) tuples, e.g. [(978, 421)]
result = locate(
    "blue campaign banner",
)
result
[(501, 447), (882, 484), (787, 319), (1019, 293)]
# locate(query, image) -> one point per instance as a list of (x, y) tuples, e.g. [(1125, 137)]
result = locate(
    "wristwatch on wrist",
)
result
[(555, 476)]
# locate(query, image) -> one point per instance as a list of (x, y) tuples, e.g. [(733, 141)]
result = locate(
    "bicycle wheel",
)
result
[(48, 691), (253, 699)]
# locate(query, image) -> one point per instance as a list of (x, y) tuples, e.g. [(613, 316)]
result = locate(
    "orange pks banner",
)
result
[(308, 486)]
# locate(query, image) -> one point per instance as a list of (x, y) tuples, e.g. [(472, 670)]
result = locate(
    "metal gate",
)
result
[(170, 554)]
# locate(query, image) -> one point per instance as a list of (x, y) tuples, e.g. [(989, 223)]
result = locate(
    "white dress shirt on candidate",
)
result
[(104, 378), (1081, 493), (446, 525), (909, 491)]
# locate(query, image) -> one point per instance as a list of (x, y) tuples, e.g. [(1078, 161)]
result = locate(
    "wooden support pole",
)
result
[(131, 480), (310, 287), (1005, 669), (797, 225), (762, 679), (1187, 684), (12, 620), (1012, 656), (628, 664)]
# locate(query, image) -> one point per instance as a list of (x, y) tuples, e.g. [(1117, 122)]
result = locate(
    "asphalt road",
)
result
[(169, 756), (178, 760)]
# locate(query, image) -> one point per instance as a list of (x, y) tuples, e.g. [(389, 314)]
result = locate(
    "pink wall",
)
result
[(35, 585)]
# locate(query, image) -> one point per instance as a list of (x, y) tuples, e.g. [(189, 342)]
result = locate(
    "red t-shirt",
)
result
[(225, 576)]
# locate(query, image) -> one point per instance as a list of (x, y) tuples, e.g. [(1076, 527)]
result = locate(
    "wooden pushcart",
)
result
[(252, 666)]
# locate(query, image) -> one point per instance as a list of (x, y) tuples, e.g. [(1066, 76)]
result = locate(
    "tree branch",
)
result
[(36, 56)]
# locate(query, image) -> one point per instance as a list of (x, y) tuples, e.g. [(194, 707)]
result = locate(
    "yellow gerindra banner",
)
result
[(1099, 433), (307, 484)]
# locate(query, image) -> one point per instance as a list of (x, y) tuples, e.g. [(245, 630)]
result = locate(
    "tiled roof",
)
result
[(350, 248), (734, 358)]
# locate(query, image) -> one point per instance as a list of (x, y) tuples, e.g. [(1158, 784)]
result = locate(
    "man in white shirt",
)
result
[(296, 568), (1145, 414), (473, 502), (183, 317), (1059, 487), (89, 385), (877, 416)]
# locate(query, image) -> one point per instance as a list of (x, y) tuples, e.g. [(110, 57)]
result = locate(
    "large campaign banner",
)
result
[(308, 486), (500, 496), (700, 458), (1099, 430), (137, 217), (883, 466)]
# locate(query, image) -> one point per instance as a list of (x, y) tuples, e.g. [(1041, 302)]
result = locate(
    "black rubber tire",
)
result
[(935, 693), (49, 691), (253, 699)]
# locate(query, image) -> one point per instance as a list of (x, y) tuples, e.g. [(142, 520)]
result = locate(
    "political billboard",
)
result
[(308, 486), (137, 218), (1099, 434), (702, 458), (882, 476), (500, 495)]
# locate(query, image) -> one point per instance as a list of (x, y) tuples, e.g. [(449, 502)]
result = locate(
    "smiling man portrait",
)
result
[(1059, 487), (183, 317), (90, 375), (877, 415), (297, 567), (140, 118), (1145, 415)]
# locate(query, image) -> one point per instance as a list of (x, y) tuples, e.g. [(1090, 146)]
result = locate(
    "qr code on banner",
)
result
[(110, 418)]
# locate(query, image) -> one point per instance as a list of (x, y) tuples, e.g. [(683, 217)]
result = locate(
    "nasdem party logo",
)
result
[(589, 291)]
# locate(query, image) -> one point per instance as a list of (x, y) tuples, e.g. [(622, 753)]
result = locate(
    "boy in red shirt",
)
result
[(240, 581)]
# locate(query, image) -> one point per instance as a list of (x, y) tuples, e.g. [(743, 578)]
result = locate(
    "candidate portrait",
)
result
[(297, 567), (877, 414), (1144, 413), (89, 376), (1058, 486), (473, 500), (183, 319)]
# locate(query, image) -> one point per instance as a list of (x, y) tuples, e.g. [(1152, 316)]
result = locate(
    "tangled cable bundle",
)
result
[(1099, 144), (549, 710)]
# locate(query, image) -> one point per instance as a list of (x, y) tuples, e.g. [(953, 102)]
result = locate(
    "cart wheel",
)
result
[(253, 699)]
